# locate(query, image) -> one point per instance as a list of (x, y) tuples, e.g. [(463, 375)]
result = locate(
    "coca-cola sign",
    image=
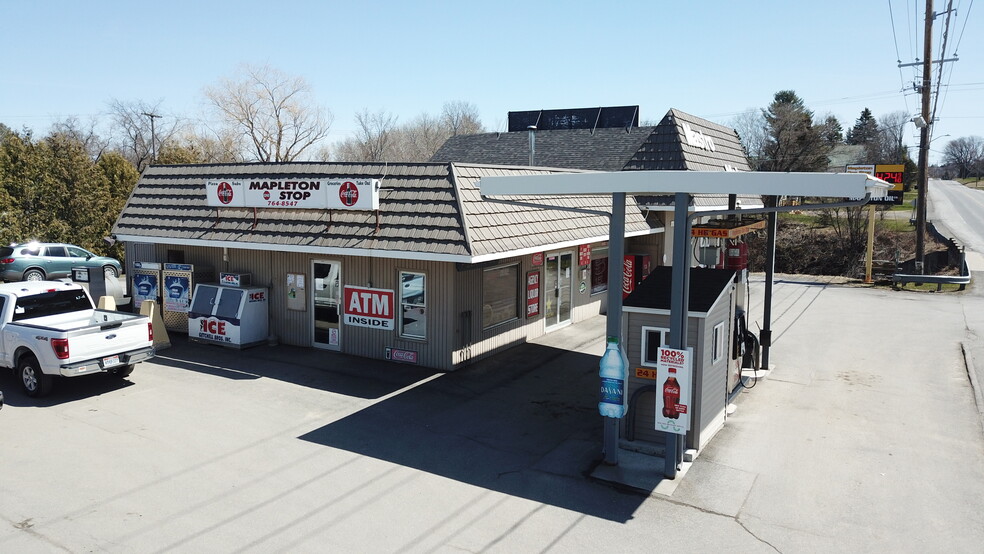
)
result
[(628, 276)]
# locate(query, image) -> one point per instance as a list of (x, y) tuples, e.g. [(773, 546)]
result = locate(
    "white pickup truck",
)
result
[(51, 328)]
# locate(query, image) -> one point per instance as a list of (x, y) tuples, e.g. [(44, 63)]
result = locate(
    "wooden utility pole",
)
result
[(923, 174)]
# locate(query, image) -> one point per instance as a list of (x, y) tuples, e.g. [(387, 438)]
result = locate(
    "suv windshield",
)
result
[(51, 303)]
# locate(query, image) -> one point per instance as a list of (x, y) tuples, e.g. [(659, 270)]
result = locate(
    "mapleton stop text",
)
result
[(289, 190)]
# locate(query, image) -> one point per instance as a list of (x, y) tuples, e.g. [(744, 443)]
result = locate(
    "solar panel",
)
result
[(575, 118)]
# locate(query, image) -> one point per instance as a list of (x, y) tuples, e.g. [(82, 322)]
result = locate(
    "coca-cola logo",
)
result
[(348, 193), (224, 192)]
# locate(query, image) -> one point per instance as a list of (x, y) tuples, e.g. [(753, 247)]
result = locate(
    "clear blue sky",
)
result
[(713, 58)]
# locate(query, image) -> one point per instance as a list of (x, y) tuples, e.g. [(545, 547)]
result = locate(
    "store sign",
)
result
[(674, 370), (307, 193), (697, 139), (890, 173), (365, 307), (538, 259), (532, 294)]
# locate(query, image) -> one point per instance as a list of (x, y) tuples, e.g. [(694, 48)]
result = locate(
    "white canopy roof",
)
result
[(835, 185)]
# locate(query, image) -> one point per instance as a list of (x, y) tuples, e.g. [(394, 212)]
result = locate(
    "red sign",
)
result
[(628, 276), (398, 355), (258, 296), (213, 327), (365, 307), (538, 259), (584, 254), (532, 293), (348, 193), (225, 192)]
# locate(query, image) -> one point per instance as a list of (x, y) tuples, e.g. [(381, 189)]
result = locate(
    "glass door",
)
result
[(327, 299), (557, 279)]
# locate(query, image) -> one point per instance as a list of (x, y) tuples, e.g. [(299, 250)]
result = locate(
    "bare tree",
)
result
[(461, 118), (966, 154), (418, 140), (752, 132), (373, 140), (892, 133), (140, 129), (273, 112), (84, 133)]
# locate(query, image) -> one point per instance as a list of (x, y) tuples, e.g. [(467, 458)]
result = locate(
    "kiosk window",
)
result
[(652, 339), (500, 295), (719, 343), (413, 305)]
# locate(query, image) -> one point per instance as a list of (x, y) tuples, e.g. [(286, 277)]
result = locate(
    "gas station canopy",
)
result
[(832, 185)]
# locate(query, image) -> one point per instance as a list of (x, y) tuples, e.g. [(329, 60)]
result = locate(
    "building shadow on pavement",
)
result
[(524, 423), (309, 367)]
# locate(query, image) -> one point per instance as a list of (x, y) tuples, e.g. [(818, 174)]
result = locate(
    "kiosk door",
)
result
[(327, 297), (557, 279)]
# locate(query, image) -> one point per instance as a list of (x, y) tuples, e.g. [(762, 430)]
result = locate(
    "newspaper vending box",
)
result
[(236, 317)]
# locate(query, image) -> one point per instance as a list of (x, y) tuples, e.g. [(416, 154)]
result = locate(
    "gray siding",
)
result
[(712, 387), (645, 411)]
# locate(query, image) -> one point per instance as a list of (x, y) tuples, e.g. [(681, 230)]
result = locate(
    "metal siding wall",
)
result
[(645, 410), (434, 351), (647, 244), (714, 385), (485, 342), (645, 415)]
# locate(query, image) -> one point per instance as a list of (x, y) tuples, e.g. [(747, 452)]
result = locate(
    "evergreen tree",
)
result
[(793, 142)]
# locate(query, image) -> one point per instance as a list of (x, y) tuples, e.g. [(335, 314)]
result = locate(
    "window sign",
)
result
[(584, 254), (599, 275), (532, 293)]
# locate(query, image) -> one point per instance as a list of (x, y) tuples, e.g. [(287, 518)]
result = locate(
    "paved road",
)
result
[(865, 437)]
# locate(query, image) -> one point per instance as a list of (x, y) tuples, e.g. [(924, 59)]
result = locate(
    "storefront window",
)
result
[(599, 275), (500, 295), (413, 305), (652, 339)]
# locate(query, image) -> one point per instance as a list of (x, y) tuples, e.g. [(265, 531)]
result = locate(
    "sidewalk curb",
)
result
[(974, 383)]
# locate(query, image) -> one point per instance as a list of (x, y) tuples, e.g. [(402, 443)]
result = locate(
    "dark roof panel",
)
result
[(706, 286)]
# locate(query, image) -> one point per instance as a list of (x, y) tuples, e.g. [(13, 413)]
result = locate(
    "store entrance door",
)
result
[(557, 278), (327, 299)]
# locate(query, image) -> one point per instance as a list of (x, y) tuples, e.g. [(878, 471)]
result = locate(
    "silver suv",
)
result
[(37, 261)]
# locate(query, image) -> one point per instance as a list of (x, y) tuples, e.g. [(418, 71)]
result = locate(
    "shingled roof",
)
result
[(662, 147), (430, 211), (598, 149)]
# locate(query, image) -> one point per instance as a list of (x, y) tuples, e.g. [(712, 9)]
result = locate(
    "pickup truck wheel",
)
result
[(34, 275), (123, 371), (34, 381)]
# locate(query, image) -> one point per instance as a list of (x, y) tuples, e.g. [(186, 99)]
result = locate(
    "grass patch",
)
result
[(929, 287)]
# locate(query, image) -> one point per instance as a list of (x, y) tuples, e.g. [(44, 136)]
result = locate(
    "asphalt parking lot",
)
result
[(865, 437)]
